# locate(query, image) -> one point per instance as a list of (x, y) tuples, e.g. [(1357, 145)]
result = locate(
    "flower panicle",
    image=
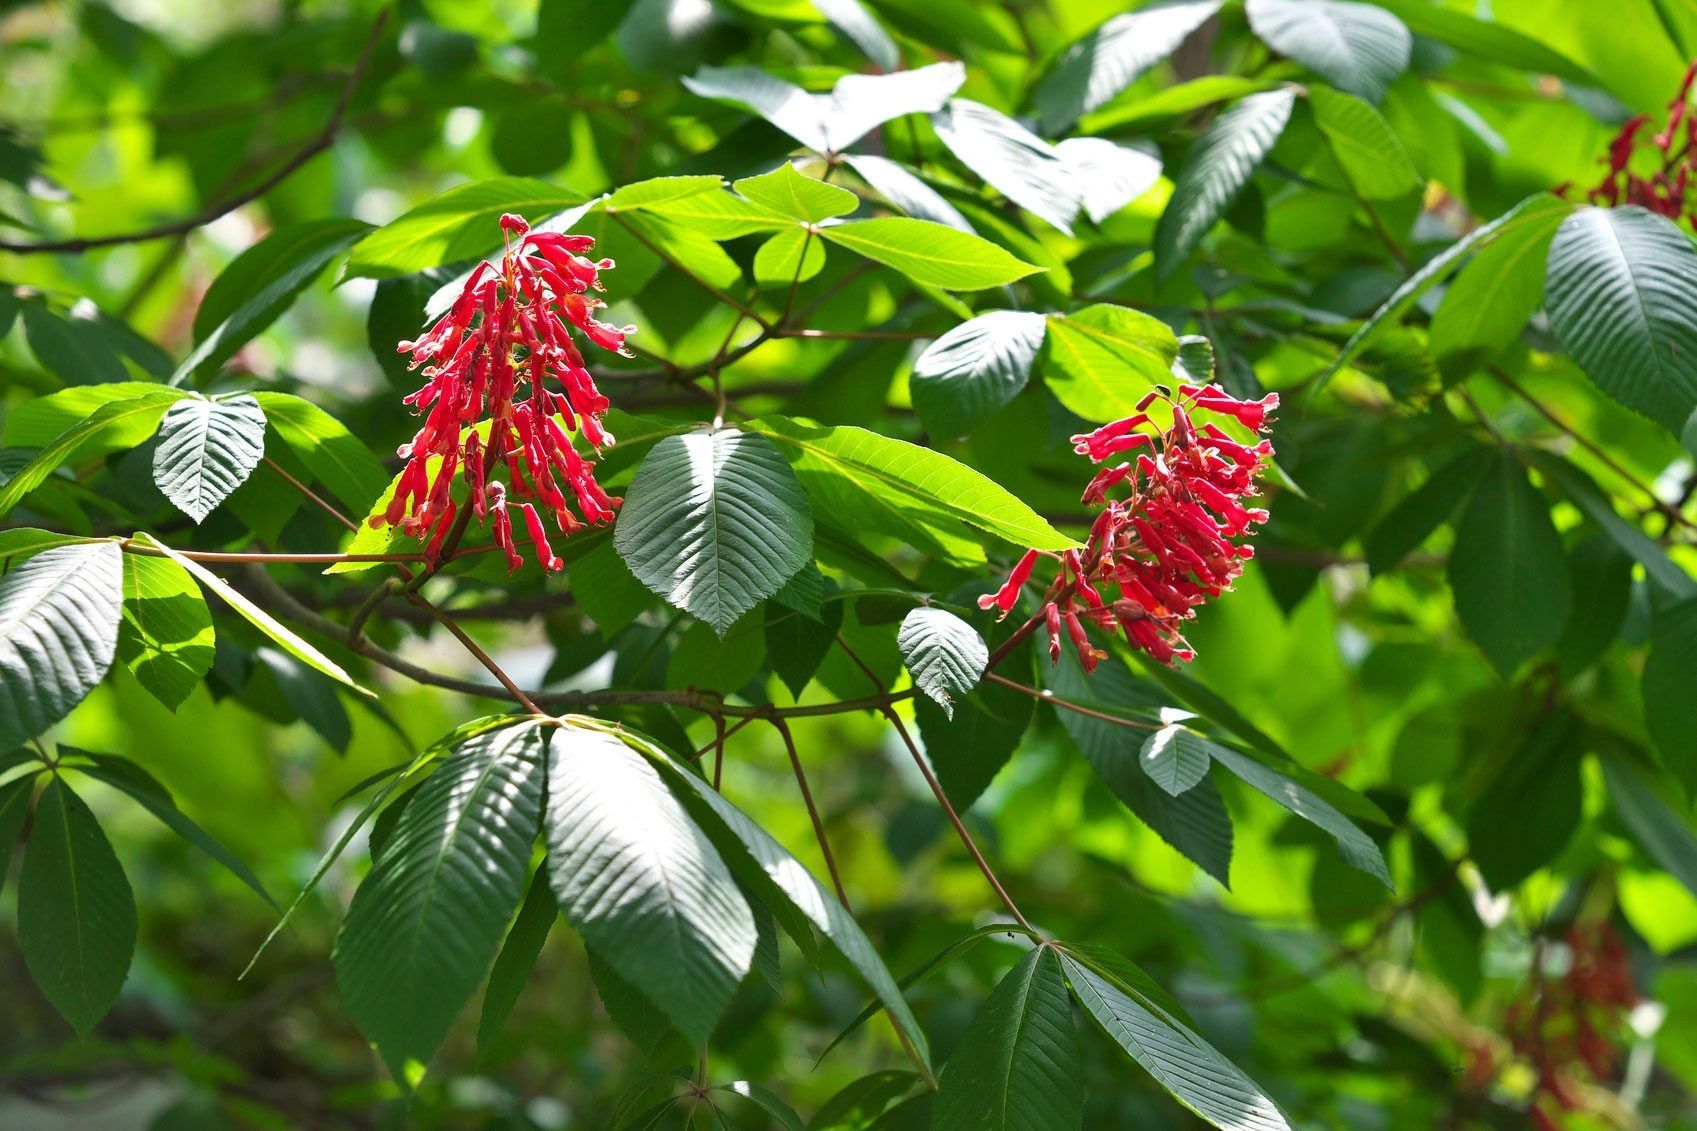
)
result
[(504, 353), (1168, 537)]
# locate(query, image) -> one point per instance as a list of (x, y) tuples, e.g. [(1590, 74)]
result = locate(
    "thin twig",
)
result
[(783, 730)]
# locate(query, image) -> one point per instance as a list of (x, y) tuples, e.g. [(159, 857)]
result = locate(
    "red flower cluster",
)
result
[(1167, 546), (1663, 191), (509, 327), (1569, 1026)]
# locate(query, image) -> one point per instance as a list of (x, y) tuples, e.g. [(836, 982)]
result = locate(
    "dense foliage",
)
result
[(848, 564)]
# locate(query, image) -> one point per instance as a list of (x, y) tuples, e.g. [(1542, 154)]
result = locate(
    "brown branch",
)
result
[(319, 143), (783, 730), (1047, 696)]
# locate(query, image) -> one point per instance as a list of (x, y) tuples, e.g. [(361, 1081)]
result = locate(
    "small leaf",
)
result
[(1109, 59), (785, 190), (1175, 758), (946, 655), (517, 959), (207, 448), (975, 370), (1506, 569), (792, 256), (425, 924), (1358, 47), (1025, 168), (1371, 155), (1622, 295), (929, 253), (1502, 286), (641, 883), (1016, 1067), (1215, 171), (1101, 360), (714, 522), (796, 644), (459, 224), (76, 915), (59, 614)]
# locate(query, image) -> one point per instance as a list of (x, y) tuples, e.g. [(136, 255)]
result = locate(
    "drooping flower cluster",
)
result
[(1167, 537), (1663, 190), (503, 354)]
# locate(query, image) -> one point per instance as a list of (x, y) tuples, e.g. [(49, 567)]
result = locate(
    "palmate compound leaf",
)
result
[(641, 882), (715, 522), (207, 448), (1196, 1074), (59, 614), (76, 915), (945, 655), (929, 253), (1016, 1067), (426, 923)]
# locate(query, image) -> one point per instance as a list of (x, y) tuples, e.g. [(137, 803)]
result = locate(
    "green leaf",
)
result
[(1667, 686), (166, 637), (425, 924), (641, 882), (73, 348), (946, 655), (336, 457), (783, 884), (975, 370), (721, 215), (854, 20), (1584, 493), (1656, 821), (1010, 158), (1016, 1067), (899, 487), (932, 254), (1357, 848), (796, 644), (1523, 818), (1358, 47), (1179, 1060), (638, 1018), (1622, 296), (76, 916), (1371, 155), (517, 959), (59, 614), (261, 283), (207, 448), (1109, 59), (143, 788), (38, 422), (260, 619), (1110, 175), (830, 123), (905, 191), (132, 419), (658, 190), (1215, 171), (1503, 285), (1175, 758), (1485, 39), (794, 255), (969, 747), (1506, 569), (14, 810), (1101, 360), (714, 522), (785, 190), (461, 223), (1427, 507)]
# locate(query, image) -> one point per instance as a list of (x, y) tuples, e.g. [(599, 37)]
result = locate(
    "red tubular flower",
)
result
[(1166, 547), (1675, 148), (493, 357)]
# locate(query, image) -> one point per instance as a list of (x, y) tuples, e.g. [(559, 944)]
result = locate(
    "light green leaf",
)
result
[(122, 423), (1358, 47), (76, 915), (721, 215), (794, 255), (336, 457), (1506, 569), (143, 788), (641, 882), (207, 448), (59, 614), (946, 655), (1175, 758), (260, 619), (1503, 285), (1622, 297), (461, 223), (975, 370), (1101, 360), (166, 637), (854, 20), (658, 190), (517, 959), (1371, 155), (928, 253), (425, 924), (1486, 39), (1016, 1067), (41, 420), (1215, 171), (899, 487), (714, 522), (1109, 59), (1179, 1060), (785, 190)]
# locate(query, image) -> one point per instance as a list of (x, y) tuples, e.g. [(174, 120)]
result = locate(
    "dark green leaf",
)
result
[(517, 958), (796, 644), (972, 372), (1360, 48)]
